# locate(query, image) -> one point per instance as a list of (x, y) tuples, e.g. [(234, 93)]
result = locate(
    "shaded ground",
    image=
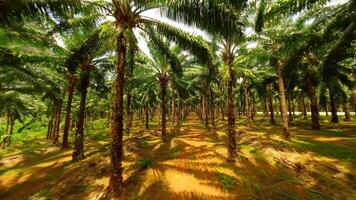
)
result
[(312, 165)]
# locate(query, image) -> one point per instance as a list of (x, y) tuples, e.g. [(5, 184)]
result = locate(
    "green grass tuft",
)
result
[(226, 181), (143, 163)]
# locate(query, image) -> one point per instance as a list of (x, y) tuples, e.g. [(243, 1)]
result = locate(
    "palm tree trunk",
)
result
[(78, 152), (206, 112), (346, 111), (147, 118), (231, 116), (8, 116), (163, 83), (353, 100), (68, 111), (326, 110), (265, 107), (305, 114), (270, 102), (334, 117), (179, 114), (173, 106), (12, 123), (58, 122), (128, 113), (282, 99), (289, 100), (313, 102), (222, 103), (117, 119), (247, 103), (49, 130), (212, 107)]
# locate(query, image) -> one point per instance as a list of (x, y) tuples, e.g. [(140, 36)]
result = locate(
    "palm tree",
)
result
[(228, 52)]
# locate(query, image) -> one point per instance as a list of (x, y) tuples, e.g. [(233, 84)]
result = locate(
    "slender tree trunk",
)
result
[(305, 114), (78, 152), (270, 101), (247, 108), (179, 115), (231, 115), (222, 103), (163, 82), (49, 130), (8, 115), (206, 113), (289, 100), (173, 106), (334, 117), (282, 99), (115, 184), (313, 102), (68, 111), (326, 110), (346, 111), (265, 107), (212, 106), (147, 118), (353, 100), (293, 108), (12, 123), (58, 122), (128, 113), (8, 121)]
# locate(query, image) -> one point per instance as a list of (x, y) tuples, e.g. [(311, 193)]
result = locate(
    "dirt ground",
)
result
[(312, 165)]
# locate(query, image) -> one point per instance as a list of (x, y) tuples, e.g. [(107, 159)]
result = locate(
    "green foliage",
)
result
[(144, 163), (226, 181), (317, 195), (174, 151)]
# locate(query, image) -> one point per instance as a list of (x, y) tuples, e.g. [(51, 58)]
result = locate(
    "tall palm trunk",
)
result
[(353, 100), (163, 83), (247, 104), (78, 152), (222, 104), (265, 107), (68, 110), (173, 105), (305, 114), (179, 114), (282, 99), (231, 115), (212, 107), (147, 117), (8, 121), (128, 113), (346, 111), (289, 100), (117, 119), (334, 117), (57, 122), (206, 112), (270, 102), (313, 102)]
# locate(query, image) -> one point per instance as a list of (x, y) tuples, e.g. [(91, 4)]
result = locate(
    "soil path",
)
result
[(191, 166)]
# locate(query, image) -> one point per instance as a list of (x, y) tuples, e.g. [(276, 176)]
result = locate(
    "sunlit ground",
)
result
[(312, 165)]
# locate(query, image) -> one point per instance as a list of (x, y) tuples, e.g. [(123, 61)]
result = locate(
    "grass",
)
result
[(226, 181), (317, 195), (144, 163), (325, 149), (174, 151)]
